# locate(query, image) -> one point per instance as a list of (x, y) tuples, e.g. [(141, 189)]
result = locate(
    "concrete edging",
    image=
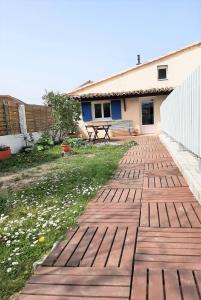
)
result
[(187, 162)]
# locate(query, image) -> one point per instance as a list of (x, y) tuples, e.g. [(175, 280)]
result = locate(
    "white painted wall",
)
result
[(181, 113), (16, 142), (144, 76)]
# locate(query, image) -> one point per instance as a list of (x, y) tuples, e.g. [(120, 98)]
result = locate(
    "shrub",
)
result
[(74, 142), (66, 114), (44, 142)]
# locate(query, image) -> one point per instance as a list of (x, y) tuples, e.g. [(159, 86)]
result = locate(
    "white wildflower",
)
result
[(9, 270)]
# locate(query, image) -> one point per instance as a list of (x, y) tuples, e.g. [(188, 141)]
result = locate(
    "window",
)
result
[(102, 110), (162, 72), (106, 110), (98, 111)]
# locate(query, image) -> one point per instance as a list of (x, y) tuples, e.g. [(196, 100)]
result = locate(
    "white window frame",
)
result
[(160, 67), (102, 112)]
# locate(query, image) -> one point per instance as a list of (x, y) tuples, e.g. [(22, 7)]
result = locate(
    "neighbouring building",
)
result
[(137, 93)]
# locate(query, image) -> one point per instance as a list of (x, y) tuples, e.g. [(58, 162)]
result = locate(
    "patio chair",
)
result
[(89, 132)]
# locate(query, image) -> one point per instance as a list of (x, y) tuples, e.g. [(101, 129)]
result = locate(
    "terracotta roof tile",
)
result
[(122, 94)]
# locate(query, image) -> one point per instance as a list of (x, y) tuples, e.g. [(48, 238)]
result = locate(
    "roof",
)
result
[(134, 93), (133, 68)]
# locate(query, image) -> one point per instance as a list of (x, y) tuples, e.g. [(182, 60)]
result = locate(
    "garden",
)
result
[(36, 213)]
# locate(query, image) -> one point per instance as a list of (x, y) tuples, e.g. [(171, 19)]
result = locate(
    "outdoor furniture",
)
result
[(123, 124), (89, 132), (96, 129)]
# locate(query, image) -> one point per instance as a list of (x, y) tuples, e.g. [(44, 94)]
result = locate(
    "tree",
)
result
[(66, 113)]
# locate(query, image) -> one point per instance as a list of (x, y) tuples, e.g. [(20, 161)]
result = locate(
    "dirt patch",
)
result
[(26, 177), (21, 179)]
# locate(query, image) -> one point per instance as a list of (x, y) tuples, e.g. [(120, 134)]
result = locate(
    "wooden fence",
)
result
[(38, 118), (9, 118)]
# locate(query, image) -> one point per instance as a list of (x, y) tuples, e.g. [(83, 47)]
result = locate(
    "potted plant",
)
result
[(5, 152), (66, 147)]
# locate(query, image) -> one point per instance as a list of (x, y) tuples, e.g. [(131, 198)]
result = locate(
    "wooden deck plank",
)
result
[(140, 238), (157, 182), (154, 221), (74, 260), (155, 284), (168, 265), (161, 246), (188, 286), (138, 195), (129, 247), (168, 195), (124, 195), (139, 286), (172, 289), (70, 248), (172, 215), (144, 219), (117, 195), (179, 230), (89, 280), (52, 257), (89, 256), (170, 181), (168, 258), (103, 196), (193, 219), (110, 195), (72, 271), (117, 248), (169, 251), (50, 297), (183, 219), (103, 252), (163, 217), (74, 290)]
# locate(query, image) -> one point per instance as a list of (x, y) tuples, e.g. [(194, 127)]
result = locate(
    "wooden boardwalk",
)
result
[(139, 239)]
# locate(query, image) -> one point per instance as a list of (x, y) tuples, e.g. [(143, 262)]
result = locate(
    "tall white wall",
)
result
[(181, 113), (16, 141)]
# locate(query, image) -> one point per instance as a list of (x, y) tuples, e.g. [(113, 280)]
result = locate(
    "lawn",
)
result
[(34, 217), (23, 161)]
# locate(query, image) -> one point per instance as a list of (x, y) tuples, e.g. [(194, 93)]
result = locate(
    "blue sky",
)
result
[(59, 44)]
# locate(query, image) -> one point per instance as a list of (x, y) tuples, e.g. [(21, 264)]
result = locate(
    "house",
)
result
[(137, 93)]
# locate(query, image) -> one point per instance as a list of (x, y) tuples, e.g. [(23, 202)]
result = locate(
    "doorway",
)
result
[(147, 116)]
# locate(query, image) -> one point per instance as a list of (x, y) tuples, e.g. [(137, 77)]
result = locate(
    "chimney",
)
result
[(138, 59)]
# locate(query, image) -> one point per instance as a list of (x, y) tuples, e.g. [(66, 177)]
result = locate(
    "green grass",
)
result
[(48, 208), (23, 161)]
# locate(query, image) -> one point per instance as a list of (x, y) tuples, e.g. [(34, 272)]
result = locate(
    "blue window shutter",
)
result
[(86, 111), (116, 109)]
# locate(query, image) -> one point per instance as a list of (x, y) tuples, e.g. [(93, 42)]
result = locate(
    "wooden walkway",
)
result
[(139, 239)]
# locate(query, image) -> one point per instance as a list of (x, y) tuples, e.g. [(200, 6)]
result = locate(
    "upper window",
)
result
[(162, 72), (102, 110)]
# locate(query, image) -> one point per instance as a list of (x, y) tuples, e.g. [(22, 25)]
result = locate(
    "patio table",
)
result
[(99, 127)]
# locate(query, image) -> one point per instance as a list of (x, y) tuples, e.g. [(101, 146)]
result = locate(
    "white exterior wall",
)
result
[(181, 113), (16, 141), (180, 64)]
